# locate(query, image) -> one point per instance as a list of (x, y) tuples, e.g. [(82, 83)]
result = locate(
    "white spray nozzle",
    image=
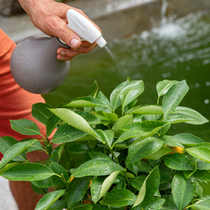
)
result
[(84, 28)]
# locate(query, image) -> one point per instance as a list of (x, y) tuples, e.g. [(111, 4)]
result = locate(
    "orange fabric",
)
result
[(15, 102)]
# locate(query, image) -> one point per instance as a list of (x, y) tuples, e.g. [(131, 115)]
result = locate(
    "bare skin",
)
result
[(50, 17)]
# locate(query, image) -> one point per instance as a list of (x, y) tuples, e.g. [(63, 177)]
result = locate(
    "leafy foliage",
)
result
[(113, 154)]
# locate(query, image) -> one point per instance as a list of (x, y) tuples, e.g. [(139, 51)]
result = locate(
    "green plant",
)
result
[(113, 154)]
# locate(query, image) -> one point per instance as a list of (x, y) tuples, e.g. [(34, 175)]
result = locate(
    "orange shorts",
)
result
[(15, 102)]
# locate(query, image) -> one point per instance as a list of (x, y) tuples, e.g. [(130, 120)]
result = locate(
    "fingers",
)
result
[(58, 27), (86, 47), (69, 54), (66, 54)]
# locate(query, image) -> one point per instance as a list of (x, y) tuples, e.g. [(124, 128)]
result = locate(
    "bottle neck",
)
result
[(61, 43)]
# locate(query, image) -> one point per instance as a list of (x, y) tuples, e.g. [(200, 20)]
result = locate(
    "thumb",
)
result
[(71, 38), (63, 32)]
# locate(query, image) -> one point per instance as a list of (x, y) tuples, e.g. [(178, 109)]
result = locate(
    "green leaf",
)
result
[(77, 148), (187, 139), (104, 100), (90, 118), (131, 133), (130, 92), (142, 130), (119, 198), (67, 133), (202, 165), (74, 120), (189, 173), (15, 150), (76, 190), (182, 190), (176, 118), (146, 109), (105, 117), (144, 166), (101, 185), (45, 183), (107, 183), (8, 166), (170, 142), (94, 89), (83, 207), (202, 175), (148, 188), (121, 122), (201, 152), (6, 142), (59, 169), (146, 126), (59, 204), (97, 167), (98, 155), (112, 117), (199, 189), (36, 146), (178, 161), (95, 188), (51, 124), (201, 205), (85, 102), (56, 154), (155, 203), (163, 86), (28, 172), (107, 136), (138, 181), (165, 174), (98, 207), (169, 202), (37, 190), (25, 127), (41, 112), (191, 116), (115, 95), (50, 198), (142, 149), (174, 96), (160, 153)]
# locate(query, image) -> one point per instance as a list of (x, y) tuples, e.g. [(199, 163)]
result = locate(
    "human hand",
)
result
[(50, 17)]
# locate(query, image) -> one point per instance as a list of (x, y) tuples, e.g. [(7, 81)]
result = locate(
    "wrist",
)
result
[(32, 5)]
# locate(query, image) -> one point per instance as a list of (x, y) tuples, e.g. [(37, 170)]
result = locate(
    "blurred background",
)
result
[(150, 40)]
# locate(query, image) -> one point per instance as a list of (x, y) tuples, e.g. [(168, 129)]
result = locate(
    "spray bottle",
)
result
[(34, 64)]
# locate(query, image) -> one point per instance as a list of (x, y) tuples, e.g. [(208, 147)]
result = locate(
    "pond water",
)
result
[(176, 50)]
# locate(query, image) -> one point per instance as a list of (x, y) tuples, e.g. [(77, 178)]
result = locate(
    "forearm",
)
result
[(41, 13), (30, 5)]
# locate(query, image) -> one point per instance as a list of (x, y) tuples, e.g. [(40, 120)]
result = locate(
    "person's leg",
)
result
[(16, 103)]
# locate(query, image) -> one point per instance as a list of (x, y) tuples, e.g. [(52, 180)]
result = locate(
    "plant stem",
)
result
[(115, 158), (124, 172), (64, 180)]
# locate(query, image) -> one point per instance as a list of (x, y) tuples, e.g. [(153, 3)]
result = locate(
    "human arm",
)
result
[(50, 17)]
